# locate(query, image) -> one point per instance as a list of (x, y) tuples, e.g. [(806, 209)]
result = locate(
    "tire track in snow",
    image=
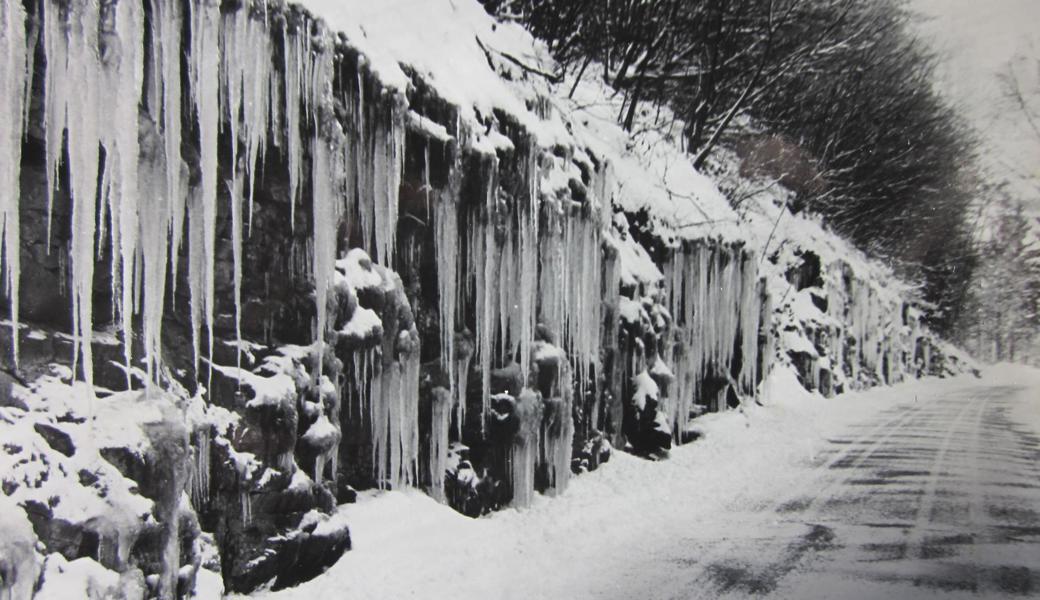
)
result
[(704, 586), (915, 540), (890, 428), (977, 510)]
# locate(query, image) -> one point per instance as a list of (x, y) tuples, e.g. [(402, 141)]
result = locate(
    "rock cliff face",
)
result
[(251, 269)]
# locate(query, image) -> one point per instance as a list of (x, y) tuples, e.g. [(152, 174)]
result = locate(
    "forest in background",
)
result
[(835, 101)]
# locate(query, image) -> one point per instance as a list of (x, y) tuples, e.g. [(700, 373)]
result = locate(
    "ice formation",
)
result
[(446, 235), (394, 405), (15, 88), (558, 433), (529, 248), (716, 301), (202, 216), (562, 248), (440, 425), (524, 450), (570, 281)]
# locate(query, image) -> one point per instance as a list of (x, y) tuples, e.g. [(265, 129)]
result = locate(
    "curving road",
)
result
[(933, 498)]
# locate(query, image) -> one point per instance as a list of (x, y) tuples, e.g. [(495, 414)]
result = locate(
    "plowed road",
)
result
[(928, 489), (931, 498)]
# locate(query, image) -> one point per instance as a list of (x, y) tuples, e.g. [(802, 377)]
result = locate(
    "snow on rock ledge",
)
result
[(344, 245)]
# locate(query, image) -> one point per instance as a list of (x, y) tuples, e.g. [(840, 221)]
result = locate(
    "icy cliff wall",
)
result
[(364, 246)]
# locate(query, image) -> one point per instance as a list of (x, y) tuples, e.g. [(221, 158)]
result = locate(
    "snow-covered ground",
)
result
[(614, 527), (1027, 409)]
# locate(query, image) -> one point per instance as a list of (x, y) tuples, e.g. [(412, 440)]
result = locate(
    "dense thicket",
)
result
[(833, 98)]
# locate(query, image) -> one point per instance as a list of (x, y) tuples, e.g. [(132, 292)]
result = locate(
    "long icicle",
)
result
[(84, 138), (15, 80), (168, 33), (205, 58), (123, 197), (56, 89), (326, 151)]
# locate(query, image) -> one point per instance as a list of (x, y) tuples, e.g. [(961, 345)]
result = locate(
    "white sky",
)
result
[(977, 39)]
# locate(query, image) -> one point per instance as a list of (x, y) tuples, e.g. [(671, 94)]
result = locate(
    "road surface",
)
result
[(927, 489), (930, 498)]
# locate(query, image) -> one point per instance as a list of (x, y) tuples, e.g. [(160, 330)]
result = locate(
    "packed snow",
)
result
[(602, 537)]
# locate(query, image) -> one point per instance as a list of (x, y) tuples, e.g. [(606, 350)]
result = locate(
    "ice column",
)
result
[(73, 63), (205, 79), (446, 248), (524, 450), (15, 87), (440, 423)]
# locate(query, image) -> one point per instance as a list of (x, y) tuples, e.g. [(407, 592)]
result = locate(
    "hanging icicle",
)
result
[(440, 424), (15, 90), (523, 452), (326, 157), (446, 248), (205, 89), (387, 164), (76, 60), (296, 55), (166, 43), (394, 405), (527, 251)]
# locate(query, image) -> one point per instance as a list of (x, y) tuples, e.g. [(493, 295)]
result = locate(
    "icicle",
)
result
[(461, 381), (569, 284), (482, 265), (205, 71), (319, 465), (440, 425), (197, 269), (528, 260), (326, 150), (750, 315), (153, 249), (446, 248), (295, 54), (394, 415), (235, 194), (326, 223), (124, 74), (164, 107), (83, 73), (409, 417), (559, 434), (233, 48), (524, 449), (15, 80), (200, 470), (257, 102), (57, 77), (387, 163), (247, 507), (246, 73)]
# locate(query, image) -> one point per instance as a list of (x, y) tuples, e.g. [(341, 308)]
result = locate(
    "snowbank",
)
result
[(1027, 409)]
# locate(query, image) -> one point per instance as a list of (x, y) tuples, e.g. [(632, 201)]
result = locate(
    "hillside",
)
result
[(259, 256)]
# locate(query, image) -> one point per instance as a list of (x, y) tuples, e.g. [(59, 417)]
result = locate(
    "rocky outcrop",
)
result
[(273, 270)]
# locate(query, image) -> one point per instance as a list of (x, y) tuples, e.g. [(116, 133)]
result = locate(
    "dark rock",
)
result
[(345, 494), (507, 380), (87, 478), (311, 553), (55, 438), (690, 435), (6, 397)]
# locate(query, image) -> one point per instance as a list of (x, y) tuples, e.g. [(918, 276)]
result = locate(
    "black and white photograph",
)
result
[(519, 299)]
